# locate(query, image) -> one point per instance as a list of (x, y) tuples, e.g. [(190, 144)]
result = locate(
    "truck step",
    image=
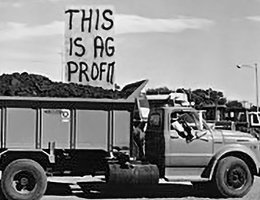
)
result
[(184, 179)]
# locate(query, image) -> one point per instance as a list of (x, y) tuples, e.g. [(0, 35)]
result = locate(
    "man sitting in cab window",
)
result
[(179, 124)]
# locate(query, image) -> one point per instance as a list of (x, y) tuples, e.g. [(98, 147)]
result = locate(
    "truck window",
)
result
[(189, 117)]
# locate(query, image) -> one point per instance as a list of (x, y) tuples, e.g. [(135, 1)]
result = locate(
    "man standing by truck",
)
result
[(139, 136)]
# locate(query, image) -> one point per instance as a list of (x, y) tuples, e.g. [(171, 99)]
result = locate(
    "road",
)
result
[(176, 191)]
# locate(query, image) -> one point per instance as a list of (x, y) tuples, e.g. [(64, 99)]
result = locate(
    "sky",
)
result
[(172, 43)]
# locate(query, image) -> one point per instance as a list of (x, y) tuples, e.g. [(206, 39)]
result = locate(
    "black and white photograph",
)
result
[(129, 99)]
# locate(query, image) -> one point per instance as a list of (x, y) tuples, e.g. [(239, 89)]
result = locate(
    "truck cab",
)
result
[(229, 159)]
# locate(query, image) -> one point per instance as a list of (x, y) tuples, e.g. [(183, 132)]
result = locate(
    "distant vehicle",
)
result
[(242, 120)]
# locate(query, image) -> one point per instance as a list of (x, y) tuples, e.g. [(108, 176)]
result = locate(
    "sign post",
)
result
[(89, 46)]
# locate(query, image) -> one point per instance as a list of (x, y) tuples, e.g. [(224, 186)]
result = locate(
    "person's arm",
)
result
[(179, 128)]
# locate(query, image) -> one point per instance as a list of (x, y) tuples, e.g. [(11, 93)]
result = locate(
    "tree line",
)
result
[(201, 97)]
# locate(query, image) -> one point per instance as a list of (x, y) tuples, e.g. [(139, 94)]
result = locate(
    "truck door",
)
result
[(154, 139), (180, 153)]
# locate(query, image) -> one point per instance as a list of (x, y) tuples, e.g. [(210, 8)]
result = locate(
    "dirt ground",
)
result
[(176, 191)]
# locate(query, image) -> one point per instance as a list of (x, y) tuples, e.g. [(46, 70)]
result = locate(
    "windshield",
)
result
[(204, 123)]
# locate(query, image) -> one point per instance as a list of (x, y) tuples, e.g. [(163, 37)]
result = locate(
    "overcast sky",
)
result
[(173, 43)]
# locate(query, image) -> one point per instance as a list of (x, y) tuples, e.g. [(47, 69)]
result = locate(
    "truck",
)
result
[(53, 136)]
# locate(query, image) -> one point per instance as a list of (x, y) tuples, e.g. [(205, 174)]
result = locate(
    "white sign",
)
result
[(90, 45)]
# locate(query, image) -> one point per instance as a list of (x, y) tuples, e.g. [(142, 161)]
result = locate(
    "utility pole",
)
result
[(256, 81)]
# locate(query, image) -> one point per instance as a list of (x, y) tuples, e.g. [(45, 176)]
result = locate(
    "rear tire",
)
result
[(24, 179), (233, 177)]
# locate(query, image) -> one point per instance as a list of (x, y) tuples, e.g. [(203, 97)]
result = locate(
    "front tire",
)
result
[(24, 179), (233, 177)]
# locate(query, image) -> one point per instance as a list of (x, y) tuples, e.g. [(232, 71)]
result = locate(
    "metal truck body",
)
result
[(42, 136), (76, 130)]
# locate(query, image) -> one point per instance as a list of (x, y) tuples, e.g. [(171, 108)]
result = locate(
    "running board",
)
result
[(185, 178)]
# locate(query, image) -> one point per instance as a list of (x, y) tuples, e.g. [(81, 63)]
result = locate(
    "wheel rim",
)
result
[(236, 178), (24, 182)]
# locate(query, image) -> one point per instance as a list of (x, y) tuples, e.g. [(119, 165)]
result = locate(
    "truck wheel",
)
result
[(233, 177), (24, 179)]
